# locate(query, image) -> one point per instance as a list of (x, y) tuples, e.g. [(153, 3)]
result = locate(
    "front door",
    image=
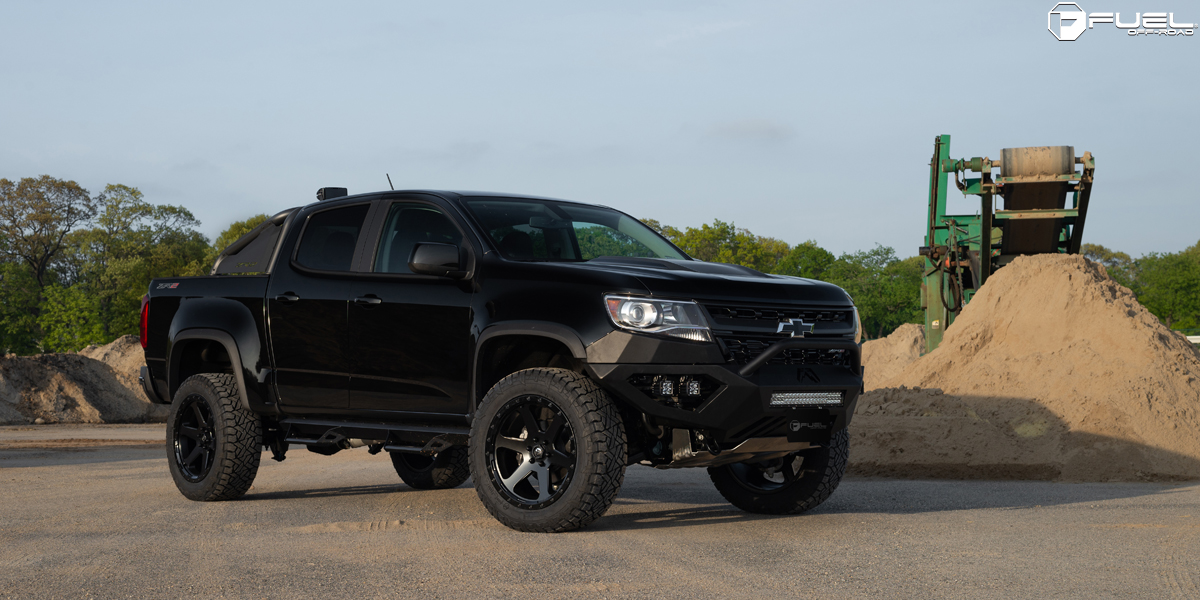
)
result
[(410, 334), (306, 304)]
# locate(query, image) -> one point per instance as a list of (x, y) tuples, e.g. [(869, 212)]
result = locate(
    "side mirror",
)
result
[(442, 260)]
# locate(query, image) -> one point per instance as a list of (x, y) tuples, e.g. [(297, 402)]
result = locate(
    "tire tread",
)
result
[(830, 477), (240, 431), (600, 417)]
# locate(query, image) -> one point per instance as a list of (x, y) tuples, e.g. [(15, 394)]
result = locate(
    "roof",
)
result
[(460, 193)]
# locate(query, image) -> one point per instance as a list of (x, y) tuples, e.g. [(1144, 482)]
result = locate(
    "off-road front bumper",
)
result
[(740, 404)]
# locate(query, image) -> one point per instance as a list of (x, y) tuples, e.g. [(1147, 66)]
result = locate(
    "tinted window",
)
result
[(531, 229), (252, 252), (330, 238), (408, 225)]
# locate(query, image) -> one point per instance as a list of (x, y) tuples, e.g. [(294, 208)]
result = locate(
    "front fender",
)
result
[(569, 337), (562, 334)]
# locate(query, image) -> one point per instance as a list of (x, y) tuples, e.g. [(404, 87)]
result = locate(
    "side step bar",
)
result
[(327, 436), (368, 430)]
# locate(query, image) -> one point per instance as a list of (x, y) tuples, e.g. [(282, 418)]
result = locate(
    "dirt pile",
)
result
[(1053, 371), (98, 385), (885, 358), (126, 358)]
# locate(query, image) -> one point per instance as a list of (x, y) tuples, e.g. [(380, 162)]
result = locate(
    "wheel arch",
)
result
[(222, 326), (506, 348), (192, 352)]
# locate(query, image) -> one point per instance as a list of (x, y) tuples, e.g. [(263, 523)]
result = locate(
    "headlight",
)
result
[(659, 317), (857, 327)]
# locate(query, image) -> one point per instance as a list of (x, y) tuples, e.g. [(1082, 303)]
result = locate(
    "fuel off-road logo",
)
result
[(1067, 21)]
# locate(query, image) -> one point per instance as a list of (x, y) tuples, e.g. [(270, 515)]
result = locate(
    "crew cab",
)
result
[(534, 345)]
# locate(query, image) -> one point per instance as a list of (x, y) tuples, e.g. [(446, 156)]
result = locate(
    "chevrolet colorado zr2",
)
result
[(537, 346)]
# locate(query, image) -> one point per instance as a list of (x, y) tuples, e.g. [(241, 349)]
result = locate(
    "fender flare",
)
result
[(560, 333), (213, 335)]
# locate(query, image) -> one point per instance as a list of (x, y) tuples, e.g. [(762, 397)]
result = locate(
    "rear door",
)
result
[(409, 334), (307, 303)]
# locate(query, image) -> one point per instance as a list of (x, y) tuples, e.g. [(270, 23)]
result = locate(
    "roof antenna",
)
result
[(390, 182)]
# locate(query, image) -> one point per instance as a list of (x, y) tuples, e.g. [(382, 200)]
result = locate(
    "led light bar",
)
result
[(806, 398)]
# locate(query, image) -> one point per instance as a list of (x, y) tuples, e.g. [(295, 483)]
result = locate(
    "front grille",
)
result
[(757, 313), (743, 349)]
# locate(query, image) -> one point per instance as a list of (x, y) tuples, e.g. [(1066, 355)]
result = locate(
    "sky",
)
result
[(795, 120)]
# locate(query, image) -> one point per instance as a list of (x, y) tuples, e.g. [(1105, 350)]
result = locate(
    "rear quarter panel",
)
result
[(232, 304)]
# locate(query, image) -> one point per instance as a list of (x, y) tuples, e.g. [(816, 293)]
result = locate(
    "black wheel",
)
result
[(446, 470), (788, 485), (547, 451), (213, 444)]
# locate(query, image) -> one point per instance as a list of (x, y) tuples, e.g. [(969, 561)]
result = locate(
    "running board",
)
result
[(367, 430), (426, 439)]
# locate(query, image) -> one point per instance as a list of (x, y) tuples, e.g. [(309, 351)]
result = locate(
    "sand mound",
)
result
[(886, 357), (1053, 371), (99, 385), (124, 354), (126, 358)]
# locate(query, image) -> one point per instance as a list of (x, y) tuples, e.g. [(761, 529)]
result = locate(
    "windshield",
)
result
[(544, 230)]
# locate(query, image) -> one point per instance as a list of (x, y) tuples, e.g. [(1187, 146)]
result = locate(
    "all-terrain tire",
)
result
[(213, 444), (561, 430), (820, 471), (448, 469)]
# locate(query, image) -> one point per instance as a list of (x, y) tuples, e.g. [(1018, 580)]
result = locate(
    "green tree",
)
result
[(20, 297), (1119, 265), (885, 289), (1193, 250), (1170, 287), (36, 215), (604, 241), (806, 259), (666, 231), (70, 319), (203, 265), (235, 231), (131, 241), (724, 242)]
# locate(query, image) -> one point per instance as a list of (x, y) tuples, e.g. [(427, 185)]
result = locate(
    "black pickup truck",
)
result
[(538, 346)]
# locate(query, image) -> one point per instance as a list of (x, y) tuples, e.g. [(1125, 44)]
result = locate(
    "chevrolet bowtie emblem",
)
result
[(795, 327)]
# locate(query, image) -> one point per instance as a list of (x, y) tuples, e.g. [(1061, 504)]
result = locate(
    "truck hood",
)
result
[(694, 279)]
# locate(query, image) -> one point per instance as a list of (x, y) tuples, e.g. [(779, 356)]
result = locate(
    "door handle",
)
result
[(287, 297), (368, 301)]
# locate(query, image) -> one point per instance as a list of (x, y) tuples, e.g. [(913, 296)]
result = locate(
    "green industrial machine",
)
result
[(962, 251)]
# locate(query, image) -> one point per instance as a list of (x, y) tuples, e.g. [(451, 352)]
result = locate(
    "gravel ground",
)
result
[(102, 518)]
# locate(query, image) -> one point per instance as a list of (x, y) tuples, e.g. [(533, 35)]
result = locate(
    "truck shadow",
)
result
[(922, 451), (302, 494), (878, 496), (82, 455), (689, 516)]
